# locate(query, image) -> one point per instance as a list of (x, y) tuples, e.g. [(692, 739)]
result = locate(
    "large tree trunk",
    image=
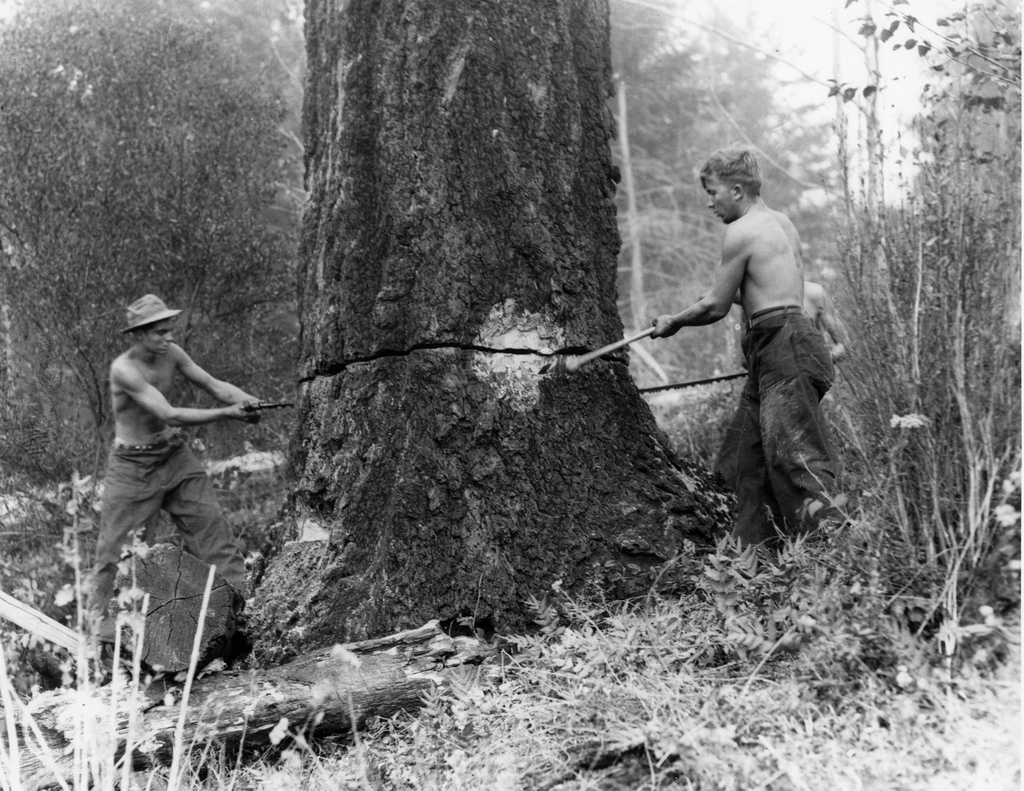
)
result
[(461, 227)]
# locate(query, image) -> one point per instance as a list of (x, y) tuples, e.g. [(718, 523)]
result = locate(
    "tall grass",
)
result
[(931, 292), (42, 571), (101, 722)]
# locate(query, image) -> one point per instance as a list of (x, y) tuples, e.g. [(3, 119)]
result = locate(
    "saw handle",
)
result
[(586, 358), (260, 406)]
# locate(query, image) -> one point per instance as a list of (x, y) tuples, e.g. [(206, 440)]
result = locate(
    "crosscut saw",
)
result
[(694, 383)]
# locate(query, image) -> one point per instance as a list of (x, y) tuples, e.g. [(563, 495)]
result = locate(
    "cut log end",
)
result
[(176, 582)]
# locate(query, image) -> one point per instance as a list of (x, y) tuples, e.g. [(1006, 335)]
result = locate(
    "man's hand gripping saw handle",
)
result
[(253, 410), (260, 406)]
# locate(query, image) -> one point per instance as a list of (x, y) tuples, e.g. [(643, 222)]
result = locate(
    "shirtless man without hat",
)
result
[(784, 469)]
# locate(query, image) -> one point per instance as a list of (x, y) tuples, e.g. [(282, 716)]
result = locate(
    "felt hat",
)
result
[(147, 310)]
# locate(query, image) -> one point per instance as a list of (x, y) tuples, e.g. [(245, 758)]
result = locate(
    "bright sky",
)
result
[(808, 33), (803, 37)]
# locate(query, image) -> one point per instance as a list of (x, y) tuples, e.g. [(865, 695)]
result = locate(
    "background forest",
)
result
[(155, 146)]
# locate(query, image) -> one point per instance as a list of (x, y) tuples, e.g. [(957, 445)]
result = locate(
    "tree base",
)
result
[(479, 485)]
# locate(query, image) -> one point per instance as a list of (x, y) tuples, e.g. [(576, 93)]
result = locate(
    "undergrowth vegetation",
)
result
[(694, 418), (746, 672), (48, 535), (739, 669), (930, 399)]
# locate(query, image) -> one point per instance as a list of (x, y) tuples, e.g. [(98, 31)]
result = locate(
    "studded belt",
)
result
[(122, 445)]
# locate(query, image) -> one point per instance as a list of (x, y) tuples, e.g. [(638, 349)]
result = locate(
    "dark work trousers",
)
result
[(777, 454), (137, 485)]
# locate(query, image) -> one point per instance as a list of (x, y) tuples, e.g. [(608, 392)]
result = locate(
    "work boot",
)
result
[(106, 630), (97, 623)]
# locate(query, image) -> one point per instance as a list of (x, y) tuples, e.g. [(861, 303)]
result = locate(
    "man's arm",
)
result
[(714, 305), (820, 311), (128, 379), (224, 392), (831, 324)]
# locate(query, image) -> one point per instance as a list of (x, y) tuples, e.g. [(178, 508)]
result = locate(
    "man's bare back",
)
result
[(761, 261), (814, 304), (772, 276), (817, 307)]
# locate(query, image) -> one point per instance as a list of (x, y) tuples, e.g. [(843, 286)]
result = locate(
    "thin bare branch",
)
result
[(739, 130), (669, 10)]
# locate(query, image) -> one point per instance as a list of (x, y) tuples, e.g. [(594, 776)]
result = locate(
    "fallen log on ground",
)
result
[(321, 693)]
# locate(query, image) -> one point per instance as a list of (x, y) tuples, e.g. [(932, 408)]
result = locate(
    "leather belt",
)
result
[(771, 313), (122, 445)]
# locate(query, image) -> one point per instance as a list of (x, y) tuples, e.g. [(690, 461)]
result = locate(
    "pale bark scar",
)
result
[(515, 375)]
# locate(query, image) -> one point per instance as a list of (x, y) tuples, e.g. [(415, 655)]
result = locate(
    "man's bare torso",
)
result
[(773, 275), (133, 424)]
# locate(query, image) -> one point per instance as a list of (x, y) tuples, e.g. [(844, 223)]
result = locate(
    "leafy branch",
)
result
[(957, 48)]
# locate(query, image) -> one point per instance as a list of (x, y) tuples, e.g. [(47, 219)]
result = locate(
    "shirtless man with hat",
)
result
[(784, 467), (150, 466)]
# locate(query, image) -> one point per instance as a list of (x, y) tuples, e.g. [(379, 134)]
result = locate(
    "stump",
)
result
[(175, 582)]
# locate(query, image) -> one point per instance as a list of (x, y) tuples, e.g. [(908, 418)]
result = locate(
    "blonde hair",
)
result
[(735, 165)]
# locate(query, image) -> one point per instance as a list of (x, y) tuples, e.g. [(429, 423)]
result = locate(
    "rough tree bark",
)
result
[(461, 228)]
